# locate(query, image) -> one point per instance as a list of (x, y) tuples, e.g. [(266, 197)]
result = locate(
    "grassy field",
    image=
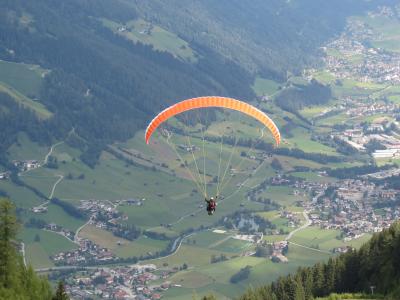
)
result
[(37, 256), (22, 82), (43, 183), (20, 196), (141, 246), (288, 163), (269, 215), (232, 245), (192, 255), (204, 279), (325, 239), (313, 111), (50, 243), (122, 247), (283, 195), (302, 140), (24, 78), (313, 176), (265, 171), (162, 230), (336, 119), (55, 214), (264, 86), (25, 149), (353, 88), (323, 76), (386, 161), (206, 239), (150, 34)]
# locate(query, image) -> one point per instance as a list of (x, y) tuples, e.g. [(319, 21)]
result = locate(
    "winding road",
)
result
[(308, 223), (76, 236), (46, 159), (60, 178)]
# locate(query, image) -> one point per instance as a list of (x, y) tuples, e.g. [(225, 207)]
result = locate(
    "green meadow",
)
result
[(151, 34), (22, 82), (264, 86), (50, 243)]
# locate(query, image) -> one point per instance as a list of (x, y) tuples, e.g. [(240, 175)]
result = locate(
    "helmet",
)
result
[(212, 198)]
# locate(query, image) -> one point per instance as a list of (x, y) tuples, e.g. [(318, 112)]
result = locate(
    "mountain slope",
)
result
[(107, 73), (269, 37), (377, 264)]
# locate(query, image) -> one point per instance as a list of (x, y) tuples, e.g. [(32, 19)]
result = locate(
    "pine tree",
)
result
[(299, 291), (330, 274), (8, 231), (318, 279), (60, 293), (16, 280)]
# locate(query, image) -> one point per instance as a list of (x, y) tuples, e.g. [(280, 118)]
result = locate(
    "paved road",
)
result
[(51, 151), (60, 177), (76, 237), (308, 223)]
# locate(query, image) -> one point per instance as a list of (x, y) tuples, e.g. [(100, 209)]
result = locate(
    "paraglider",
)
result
[(204, 102), (210, 102), (211, 205)]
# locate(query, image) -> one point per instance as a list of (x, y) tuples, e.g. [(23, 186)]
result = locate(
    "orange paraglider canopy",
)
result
[(204, 102)]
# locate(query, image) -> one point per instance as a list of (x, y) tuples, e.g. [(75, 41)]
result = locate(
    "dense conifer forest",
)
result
[(376, 264), (18, 281)]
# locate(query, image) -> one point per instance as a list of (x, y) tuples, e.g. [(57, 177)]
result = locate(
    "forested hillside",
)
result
[(101, 84), (110, 65), (269, 37), (376, 264), (18, 281)]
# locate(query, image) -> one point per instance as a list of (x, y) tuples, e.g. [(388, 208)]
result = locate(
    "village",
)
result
[(140, 282), (351, 57), (353, 206), (104, 215)]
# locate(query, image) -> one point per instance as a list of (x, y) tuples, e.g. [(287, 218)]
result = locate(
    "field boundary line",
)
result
[(219, 242), (309, 248)]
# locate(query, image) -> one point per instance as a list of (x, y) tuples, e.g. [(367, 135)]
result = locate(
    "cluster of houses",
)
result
[(5, 175), (26, 165), (188, 148), (356, 60), (278, 248), (39, 209), (121, 283), (60, 230), (87, 253), (293, 219), (104, 214), (351, 210), (362, 109)]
